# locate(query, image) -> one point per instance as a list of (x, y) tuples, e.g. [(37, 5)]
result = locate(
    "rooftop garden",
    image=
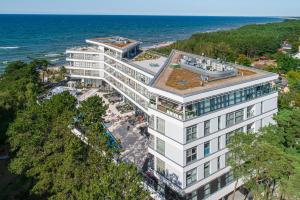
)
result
[(182, 79)]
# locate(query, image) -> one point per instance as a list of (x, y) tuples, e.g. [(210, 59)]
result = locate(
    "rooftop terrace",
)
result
[(116, 42), (149, 62), (185, 74)]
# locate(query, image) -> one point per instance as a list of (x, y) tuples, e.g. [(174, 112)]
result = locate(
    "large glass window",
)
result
[(206, 169), (230, 119), (160, 146), (192, 196), (218, 163), (191, 176), (250, 111), (228, 135), (239, 116), (151, 121), (160, 125), (228, 99), (206, 149), (160, 166), (228, 178), (191, 154), (151, 141), (191, 133), (207, 127), (206, 190)]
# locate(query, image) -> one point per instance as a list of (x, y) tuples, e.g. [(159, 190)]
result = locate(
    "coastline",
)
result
[(169, 43), (163, 35)]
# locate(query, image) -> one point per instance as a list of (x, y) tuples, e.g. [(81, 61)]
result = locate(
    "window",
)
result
[(160, 166), (229, 119), (206, 149), (151, 141), (191, 176), (231, 99), (228, 137), (227, 99), (151, 121), (206, 169), (227, 157), (192, 196), (219, 122), (218, 163), (160, 125), (239, 130), (234, 117), (228, 178), (191, 154), (206, 190), (191, 133), (250, 128), (239, 116), (206, 127), (250, 111), (160, 146), (219, 143)]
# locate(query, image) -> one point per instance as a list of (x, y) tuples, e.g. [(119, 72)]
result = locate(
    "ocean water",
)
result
[(25, 37)]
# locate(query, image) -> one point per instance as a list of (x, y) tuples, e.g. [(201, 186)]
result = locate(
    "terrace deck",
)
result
[(178, 80)]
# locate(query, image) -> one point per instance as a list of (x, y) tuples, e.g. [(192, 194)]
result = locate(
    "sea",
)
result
[(27, 37)]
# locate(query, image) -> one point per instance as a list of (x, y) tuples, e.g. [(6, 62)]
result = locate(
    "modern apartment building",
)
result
[(193, 103)]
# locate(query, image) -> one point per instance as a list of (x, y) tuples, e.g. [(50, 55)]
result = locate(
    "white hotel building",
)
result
[(193, 104)]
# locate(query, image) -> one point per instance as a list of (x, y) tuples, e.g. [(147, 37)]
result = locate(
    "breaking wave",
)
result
[(13, 47)]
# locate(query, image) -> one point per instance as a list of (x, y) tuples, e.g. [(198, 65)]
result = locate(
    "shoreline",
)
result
[(60, 60), (169, 43)]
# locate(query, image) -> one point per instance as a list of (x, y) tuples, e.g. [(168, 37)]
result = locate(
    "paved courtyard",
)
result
[(133, 142)]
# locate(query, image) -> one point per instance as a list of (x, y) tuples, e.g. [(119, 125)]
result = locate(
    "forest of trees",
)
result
[(55, 163), (246, 42)]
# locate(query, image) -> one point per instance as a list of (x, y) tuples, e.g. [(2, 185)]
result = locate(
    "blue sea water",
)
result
[(24, 37)]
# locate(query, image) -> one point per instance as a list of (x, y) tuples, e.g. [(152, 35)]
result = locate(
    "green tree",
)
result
[(265, 163), (19, 87), (243, 60), (61, 165)]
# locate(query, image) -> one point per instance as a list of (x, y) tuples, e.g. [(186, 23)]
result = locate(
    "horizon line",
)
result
[(166, 15)]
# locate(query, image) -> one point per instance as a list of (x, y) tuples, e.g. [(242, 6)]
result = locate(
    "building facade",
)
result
[(193, 103)]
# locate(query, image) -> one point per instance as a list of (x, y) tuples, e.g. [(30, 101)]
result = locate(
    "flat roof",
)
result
[(149, 62), (85, 48), (116, 42), (201, 74)]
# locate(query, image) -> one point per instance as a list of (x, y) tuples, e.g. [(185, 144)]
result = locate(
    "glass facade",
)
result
[(118, 84), (228, 99), (127, 70)]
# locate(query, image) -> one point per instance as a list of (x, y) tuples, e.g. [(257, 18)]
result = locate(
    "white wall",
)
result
[(269, 104)]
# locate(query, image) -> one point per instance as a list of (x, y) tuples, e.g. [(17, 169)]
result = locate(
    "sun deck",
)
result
[(186, 74)]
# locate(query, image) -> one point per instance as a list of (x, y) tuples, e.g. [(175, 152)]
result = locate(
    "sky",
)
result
[(154, 7)]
